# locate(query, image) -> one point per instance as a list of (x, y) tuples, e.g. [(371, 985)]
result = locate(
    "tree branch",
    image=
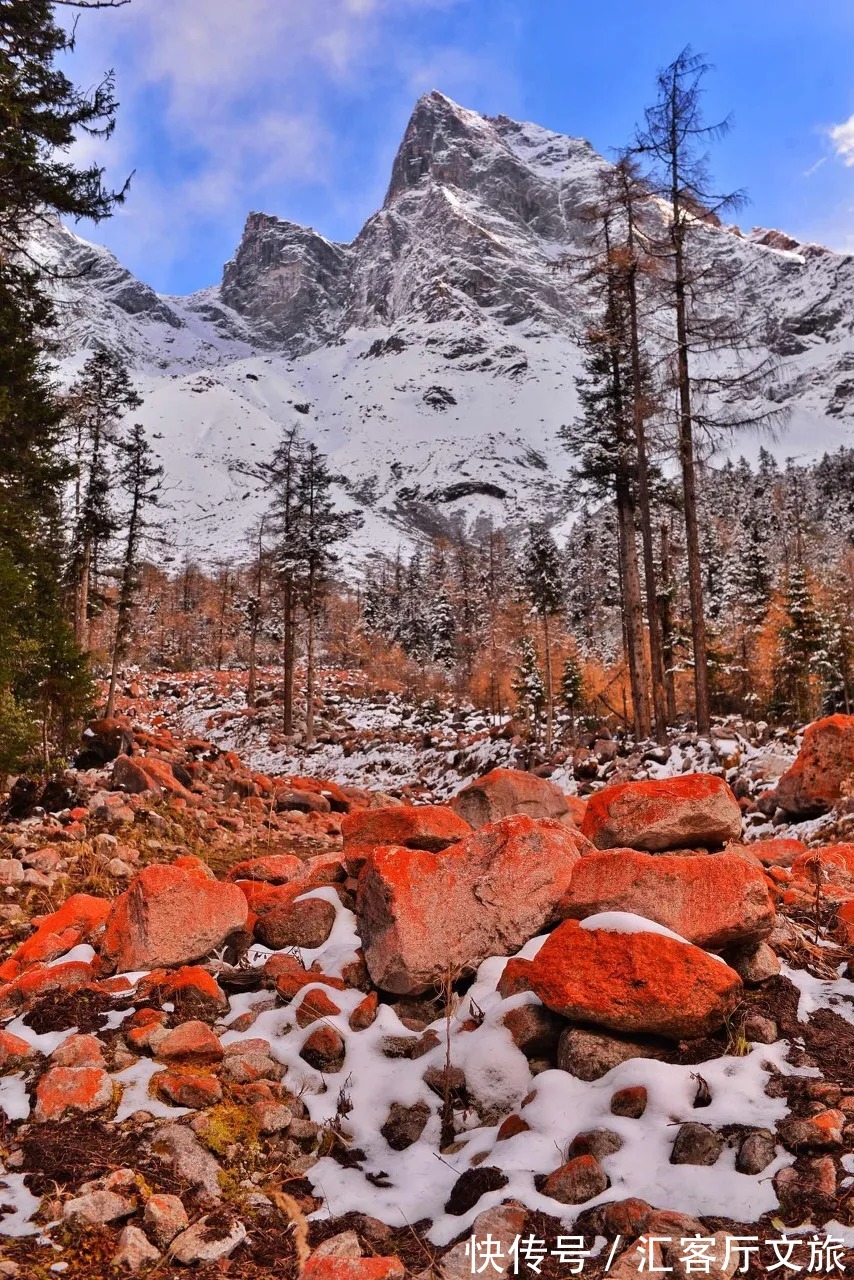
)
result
[(91, 4)]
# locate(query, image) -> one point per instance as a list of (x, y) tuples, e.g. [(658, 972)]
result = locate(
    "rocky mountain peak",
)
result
[(288, 281), (442, 141)]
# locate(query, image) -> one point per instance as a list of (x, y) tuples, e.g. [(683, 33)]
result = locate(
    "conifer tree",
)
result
[(442, 629), (140, 476), (282, 480), (98, 401), (674, 139), (801, 650), (571, 688), (542, 583), (311, 552), (528, 686), (41, 115)]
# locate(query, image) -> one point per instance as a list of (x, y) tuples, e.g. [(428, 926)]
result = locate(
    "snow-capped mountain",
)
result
[(433, 359)]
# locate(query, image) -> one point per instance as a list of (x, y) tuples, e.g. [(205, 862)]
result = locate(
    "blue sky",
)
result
[(296, 107)]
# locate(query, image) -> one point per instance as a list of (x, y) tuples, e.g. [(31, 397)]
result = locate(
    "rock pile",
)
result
[(254, 997)]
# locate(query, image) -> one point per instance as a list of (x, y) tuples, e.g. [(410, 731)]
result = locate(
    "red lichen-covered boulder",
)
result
[(45, 980), (422, 915), (632, 982), (712, 902), (15, 1053), (430, 826), (695, 810), (80, 919), (328, 1267), (194, 992), (146, 773), (778, 852), (833, 862), (845, 921), (171, 916), (823, 771), (190, 1042), (65, 1091), (274, 868), (503, 792)]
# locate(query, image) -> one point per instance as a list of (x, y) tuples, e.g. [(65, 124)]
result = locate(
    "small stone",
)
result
[(503, 1224), (630, 1102), (79, 1051), (445, 1078), (760, 1029), (314, 1005), (410, 1047), (754, 964), (756, 1152), (307, 922), (815, 1179), (164, 1217), (190, 1041), (135, 1250), (534, 1029), (15, 1053), (272, 1117), (121, 870), (207, 1241), (579, 1180), (344, 1245), (696, 1144), (11, 871), (364, 1015), (595, 1142), (817, 1132), (405, 1125), (304, 1130), (510, 1126), (189, 1159), (247, 1068), (324, 1049), (97, 1208), (589, 1055), (194, 1089)]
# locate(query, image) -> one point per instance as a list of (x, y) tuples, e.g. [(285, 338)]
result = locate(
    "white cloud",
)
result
[(842, 137)]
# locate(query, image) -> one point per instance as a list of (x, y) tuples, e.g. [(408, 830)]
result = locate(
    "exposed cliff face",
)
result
[(289, 282), (434, 357)]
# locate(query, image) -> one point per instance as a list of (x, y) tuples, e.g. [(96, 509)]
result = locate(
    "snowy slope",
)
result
[(433, 358)]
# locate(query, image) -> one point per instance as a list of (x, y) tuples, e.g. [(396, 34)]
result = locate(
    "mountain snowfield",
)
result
[(433, 359)]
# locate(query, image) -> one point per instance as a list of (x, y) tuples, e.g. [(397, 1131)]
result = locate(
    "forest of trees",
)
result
[(465, 614), (683, 589)]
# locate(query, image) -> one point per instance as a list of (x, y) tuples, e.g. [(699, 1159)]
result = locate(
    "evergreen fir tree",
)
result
[(140, 477), (41, 115), (801, 650), (311, 554), (442, 630), (571, 688), (542, 583), (413, 625), (529, 687)]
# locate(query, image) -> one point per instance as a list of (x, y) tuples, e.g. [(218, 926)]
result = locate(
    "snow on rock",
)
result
[(433, 358)]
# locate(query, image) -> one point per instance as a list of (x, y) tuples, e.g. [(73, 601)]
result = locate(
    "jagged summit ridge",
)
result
[(477, 210), (433, 358)]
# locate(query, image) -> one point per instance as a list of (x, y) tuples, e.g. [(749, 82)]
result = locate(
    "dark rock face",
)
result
[(289, 281)]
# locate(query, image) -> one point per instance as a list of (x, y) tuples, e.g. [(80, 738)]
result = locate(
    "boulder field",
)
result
[(254, 1022)]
